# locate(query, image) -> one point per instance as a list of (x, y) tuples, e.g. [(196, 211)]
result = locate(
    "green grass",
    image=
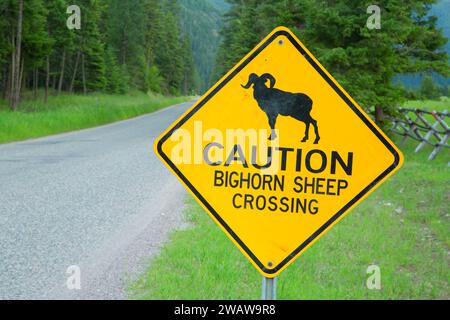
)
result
[(403, 227), (431, 105), (73, 112)]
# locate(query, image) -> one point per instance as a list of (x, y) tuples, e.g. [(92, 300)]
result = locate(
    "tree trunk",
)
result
[(12, 74), (75, 69), (4, 80), (7, 88), (83, 71), (47, 80), (35, 83), (21, 75), (18, 52), (379, 116), (54, 82), (185, 87), (61, 74)]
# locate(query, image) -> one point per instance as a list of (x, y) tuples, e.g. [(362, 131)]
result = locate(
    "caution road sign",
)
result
[(277, 152)]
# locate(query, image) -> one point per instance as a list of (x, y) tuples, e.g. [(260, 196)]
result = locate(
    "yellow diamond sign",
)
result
[(277, 152)]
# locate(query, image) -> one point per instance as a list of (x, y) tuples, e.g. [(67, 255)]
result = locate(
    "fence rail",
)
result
[(426, 127)]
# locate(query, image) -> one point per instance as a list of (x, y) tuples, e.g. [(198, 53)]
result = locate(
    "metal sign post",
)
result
[(269, 288)]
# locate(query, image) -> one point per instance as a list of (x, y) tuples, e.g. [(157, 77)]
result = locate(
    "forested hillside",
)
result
[(222, 5), (364, 61), (171, 47), (121, 46), (202, 20)]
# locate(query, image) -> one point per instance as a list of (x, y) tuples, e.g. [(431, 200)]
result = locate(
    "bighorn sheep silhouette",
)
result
[(275, 102)]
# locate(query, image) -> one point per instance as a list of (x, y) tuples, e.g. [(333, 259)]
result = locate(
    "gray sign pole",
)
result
[(269, 288)]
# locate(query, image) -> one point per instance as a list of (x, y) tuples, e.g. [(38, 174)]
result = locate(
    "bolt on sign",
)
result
[(277, 152)]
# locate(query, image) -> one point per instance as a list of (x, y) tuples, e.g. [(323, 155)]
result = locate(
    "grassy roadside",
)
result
[(431, 105), (402, 228), (73, 112)]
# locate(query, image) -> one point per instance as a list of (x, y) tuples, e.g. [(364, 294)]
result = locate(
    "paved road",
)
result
[(98, 199)]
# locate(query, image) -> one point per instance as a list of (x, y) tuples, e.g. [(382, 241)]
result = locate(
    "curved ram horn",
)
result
[(251, 80), (271, 78)]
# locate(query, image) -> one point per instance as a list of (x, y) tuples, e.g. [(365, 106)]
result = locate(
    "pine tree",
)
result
[(15, 40), (62, 38), (92, 54), (429, 89), (168, 57), (4, 43), (117, 76), (246, 23), (122, 45), (191, 80), (364, 61), (153, 44), (125, 36), (26, 42)]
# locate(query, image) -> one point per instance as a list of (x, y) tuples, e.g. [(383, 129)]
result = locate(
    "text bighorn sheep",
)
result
[(275, 102)]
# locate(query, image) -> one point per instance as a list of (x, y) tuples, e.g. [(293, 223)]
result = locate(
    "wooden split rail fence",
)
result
[(426, 127)]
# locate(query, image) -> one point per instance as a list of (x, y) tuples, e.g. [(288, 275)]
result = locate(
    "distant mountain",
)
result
[(222, 5), (202, 20)]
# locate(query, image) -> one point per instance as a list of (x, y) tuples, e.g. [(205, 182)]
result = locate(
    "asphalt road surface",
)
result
[(97, 199)]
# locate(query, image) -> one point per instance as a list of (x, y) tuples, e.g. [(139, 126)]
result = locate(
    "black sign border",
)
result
[(339, 92)]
